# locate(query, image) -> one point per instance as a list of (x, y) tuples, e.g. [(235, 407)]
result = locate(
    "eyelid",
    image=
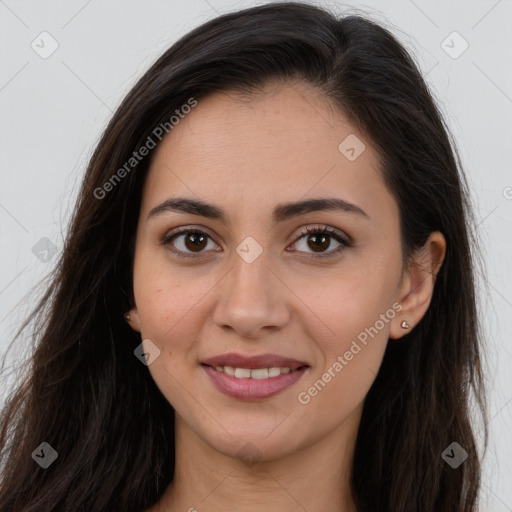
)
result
[(341, 237), (171, 235), (309, 229)]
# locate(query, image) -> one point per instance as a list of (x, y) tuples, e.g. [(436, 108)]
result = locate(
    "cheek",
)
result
[(350, 361), (355, 310), (169, 302), (167, 317), (345, 305), (170, 320)]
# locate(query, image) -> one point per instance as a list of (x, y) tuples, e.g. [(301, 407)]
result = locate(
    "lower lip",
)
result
[(253, 389)]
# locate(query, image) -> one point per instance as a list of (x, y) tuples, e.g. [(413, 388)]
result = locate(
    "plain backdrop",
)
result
[(54, 108)]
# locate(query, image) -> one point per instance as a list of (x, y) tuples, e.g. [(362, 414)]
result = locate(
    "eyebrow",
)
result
[(282, 212)]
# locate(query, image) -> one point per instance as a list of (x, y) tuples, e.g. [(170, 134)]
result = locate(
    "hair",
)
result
[(87, 395)]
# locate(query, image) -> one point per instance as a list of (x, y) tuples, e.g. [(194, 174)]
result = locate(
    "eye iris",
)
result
[(322, 237), (196, 237)]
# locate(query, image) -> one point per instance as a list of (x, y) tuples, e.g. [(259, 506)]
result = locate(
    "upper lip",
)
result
[(251, 362)]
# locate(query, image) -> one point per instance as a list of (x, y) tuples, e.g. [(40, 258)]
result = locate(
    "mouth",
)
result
[(253, 378), (260, 361), (255, 373)]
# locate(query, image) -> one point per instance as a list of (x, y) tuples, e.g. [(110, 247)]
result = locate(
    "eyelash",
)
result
[(324, 230)]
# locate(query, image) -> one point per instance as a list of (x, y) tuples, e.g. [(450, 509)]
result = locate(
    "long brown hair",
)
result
[(90, 398)]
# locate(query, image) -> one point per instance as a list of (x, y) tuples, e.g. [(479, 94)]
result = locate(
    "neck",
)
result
[(315, 477)]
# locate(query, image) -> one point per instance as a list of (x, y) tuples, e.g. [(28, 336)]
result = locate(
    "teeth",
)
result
[(274, 372), (256, 373), (229, 370), (242, 373)]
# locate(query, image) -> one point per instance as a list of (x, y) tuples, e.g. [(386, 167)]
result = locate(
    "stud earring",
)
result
[(405, 325), (127, 317)]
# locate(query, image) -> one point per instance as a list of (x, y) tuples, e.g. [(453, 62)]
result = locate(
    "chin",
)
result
[(254, 444)]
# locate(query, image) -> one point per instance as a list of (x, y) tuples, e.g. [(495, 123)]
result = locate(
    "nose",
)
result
[(252, 299)]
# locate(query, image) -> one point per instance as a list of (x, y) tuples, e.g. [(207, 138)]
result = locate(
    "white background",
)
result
[(53, 111)]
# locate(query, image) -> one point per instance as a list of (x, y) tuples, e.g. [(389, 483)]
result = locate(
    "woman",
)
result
[(266, 297)]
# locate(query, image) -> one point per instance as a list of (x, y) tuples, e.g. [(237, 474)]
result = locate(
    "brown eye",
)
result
[(195, 241), (186, 242), (190, 243), (320, 239), (319, 242)]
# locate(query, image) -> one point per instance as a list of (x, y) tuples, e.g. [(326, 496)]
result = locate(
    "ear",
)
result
[(134, 321), (417, 286)]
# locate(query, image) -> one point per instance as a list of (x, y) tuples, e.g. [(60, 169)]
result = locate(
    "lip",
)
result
[(251, 362), (252, 389)]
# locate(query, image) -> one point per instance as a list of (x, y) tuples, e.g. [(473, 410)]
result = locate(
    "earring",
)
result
[(127, 317), (405, 325)]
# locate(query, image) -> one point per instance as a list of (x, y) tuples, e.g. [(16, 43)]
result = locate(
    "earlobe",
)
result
[(405, 325), (417, 289), (132, 318)]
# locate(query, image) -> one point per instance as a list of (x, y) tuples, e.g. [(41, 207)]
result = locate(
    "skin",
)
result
[(247, 155)]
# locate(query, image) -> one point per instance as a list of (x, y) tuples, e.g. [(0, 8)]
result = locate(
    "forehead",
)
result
[(254, 151)]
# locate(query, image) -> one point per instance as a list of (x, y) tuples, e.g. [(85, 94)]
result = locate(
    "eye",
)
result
[(195, 241), (318, 239)]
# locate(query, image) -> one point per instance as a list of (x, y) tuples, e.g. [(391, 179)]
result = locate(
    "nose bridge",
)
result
[(250, 296), (250, 278)]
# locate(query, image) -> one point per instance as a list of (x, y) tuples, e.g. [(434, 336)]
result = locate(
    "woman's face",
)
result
[(255, 282)]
